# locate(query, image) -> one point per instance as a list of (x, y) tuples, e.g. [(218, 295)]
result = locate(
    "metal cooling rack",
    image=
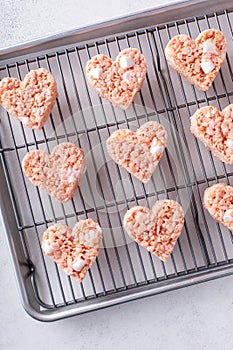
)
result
[(123, 271)]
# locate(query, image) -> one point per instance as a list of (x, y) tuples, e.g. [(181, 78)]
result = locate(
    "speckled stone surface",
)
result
[(24, 20), (196, 318)]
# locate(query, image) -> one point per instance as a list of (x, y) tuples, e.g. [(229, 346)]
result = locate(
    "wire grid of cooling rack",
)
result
[(107, 191)]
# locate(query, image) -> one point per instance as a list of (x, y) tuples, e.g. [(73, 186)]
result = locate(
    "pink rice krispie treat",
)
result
[(138, 152), (117, 81), (30, 100), (215, 130), (218, 200), (74, 250), (158, 229), (58, 174), (198, 61)]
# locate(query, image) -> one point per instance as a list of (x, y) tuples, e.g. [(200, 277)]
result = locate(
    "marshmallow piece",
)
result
[(207, 66), (71, 179), (228, 216), (156, 149), (96, 72), (91, 238), (207, 47), (83, 169), (26, 121), (98, 228), (47, 249), (79, 264), (229, 143), (126, 76), (71, 175), (92, 234), (126, 62)]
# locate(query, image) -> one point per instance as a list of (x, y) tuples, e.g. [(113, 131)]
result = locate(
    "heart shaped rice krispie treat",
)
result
[(218, 200), (138, 152), (30, 100), (215, 130), (198, 61), (74, 250), (158, 229), (58, 174), (117, 81)]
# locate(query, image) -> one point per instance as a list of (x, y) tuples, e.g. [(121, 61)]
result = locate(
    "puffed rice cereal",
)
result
[(215, 130), (59, 174), (157, 229), (30, 100), (218, 200), (198, 61), (117, 81), (138, 152), (74, 250)]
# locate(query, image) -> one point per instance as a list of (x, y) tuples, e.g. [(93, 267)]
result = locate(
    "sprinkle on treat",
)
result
[(214, 128), (158, 229), (74, 250), (30, 100), (117, 81), (198, 61), (138, 152), (59, 174), (218, 200)]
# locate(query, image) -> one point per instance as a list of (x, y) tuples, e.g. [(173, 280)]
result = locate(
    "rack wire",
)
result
[(107, 191)]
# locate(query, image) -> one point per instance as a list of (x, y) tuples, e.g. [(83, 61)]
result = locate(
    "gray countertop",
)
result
[(197, 317)]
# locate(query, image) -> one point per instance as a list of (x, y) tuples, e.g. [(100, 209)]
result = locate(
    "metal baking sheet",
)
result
[(123, 270)]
